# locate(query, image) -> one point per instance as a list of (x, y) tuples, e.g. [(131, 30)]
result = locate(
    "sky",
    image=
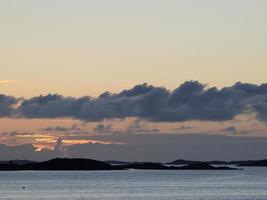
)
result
[(112, 72)]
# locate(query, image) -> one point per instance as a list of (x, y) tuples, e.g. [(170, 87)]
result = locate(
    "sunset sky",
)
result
[(122, 74)]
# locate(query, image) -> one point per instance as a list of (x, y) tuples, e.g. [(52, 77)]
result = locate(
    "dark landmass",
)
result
[(183, 162), (218, 162), (214, 162), (88, 164), (69, 164), (151, 166), (204, 166), (258, 163), (176, 162), (116, 162), (18, 162), (159, 166), (8, 167), (59, 164)]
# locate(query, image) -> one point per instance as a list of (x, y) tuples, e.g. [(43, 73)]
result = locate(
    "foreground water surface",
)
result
[(247, 184)]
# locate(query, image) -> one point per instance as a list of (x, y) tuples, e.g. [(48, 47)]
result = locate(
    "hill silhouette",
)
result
[(88, 164), (69, 164)]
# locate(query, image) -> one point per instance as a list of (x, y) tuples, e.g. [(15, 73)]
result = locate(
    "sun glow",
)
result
[(7, 81)]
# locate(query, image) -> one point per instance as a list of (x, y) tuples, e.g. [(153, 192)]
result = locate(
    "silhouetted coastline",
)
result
[(88, 164), (247, 163)]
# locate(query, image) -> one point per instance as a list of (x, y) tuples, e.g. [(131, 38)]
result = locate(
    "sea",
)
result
[(247, 184)]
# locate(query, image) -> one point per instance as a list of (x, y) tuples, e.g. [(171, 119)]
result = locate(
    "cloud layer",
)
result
[(7, 105), (149, 147), (190, 101)]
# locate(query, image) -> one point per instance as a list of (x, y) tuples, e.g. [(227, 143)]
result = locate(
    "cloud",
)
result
[(58, 144), (190, 101), (122, 105), (139, 126), (15, 133), (229, 129), (182, 127), (147, 147), (26, 151), (74, 127), (167, 147), (7, 105), (102, 128)]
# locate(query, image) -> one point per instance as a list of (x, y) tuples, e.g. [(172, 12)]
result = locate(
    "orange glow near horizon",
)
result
[(49, 144)]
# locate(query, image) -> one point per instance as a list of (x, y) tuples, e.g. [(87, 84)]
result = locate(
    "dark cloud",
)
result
[(148, 147), (58, 144), (190, 101), (49, 106), (139, 126), (7, 104), (229, 129), (167, 147), (74, 127), (259, 105), (26, 151), (102, 128), (141, 101)]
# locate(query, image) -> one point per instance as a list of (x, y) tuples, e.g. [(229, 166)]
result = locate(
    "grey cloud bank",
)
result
[(167, 147), (6, 105), (150, 147), (190, 101), (26, 151)]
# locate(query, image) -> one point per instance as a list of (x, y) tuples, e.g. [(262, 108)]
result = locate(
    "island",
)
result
[(256, 163), (88, 164)]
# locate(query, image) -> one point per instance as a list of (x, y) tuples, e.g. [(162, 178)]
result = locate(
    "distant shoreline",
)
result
[(60, 164)]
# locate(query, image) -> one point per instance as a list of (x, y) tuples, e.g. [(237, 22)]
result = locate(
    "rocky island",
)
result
[(88, 164)]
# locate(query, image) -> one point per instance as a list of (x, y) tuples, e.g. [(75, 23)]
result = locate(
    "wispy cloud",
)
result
[(7, 81)]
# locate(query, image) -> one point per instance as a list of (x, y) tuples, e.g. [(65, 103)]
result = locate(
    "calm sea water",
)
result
[(249, 184)]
